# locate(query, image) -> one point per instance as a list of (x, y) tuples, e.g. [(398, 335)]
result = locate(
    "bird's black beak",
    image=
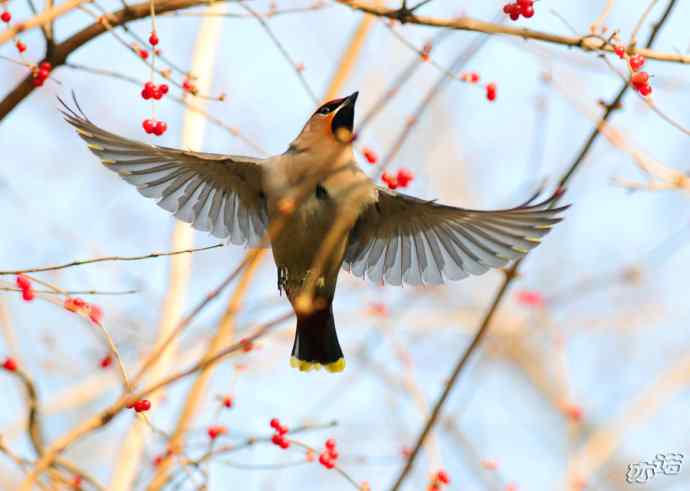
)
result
[(344, 119)]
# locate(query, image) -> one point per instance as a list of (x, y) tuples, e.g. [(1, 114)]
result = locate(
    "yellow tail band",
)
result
[(308, 366)]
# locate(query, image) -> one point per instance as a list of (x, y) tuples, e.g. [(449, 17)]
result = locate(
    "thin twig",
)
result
[(107, 258)]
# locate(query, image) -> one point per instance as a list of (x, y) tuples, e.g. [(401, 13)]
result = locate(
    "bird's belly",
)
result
[(297, 248)]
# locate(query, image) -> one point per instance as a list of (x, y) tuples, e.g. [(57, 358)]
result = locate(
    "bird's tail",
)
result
[(316, 342)]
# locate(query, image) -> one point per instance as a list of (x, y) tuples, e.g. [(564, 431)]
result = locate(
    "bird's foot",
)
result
[(282, 279)]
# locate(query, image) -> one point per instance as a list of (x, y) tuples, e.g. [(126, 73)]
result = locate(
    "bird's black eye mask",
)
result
[(329, 107)]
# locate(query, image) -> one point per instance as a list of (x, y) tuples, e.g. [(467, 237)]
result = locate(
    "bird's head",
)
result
[(331, 124)]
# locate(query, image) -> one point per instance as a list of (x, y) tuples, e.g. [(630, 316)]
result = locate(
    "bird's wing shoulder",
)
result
[(401, 239), (220, 194)]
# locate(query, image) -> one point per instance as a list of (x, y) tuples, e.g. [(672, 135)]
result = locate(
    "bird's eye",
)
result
[(324, 110)]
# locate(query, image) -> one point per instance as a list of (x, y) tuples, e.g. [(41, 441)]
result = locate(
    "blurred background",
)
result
[(585, 369)]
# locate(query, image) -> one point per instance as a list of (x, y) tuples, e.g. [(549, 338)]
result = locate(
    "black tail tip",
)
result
[(316, 342)]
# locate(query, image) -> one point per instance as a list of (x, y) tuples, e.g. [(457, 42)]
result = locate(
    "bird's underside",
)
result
[(394, 239)]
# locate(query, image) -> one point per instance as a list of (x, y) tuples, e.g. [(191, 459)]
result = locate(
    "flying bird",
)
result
[(319, 213)]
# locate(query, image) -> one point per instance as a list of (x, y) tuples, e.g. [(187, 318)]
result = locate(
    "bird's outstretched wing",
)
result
[(401, 239), (220, 194)]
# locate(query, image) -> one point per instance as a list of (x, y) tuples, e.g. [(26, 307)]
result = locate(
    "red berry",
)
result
[(369, 155), (45, 66), (508, 8), (148, 125), (143, 54), (491, 92), (326, 461), (247, 345), (95, 314), (645, 90), (153, 39), (157, 94), (10, 365), (43, 73), (6, 16), (330, 444), (443, 477), (333, 454), (284, 443), (163, 88), (142, 405), (636, 62), (282, 429), (74, 304), (28, 295), (640, 78), (21, 47), (106, 361), (404, 177), (514, 15), (276, 439), (227, 402), (530, 298), (160, 128), (620, 51), (474, 77), (528, 12), (390, 181), (23, 282), (215, 431), (275, 423)]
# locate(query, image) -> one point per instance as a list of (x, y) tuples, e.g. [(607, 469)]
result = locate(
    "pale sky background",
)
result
[(59, 204)]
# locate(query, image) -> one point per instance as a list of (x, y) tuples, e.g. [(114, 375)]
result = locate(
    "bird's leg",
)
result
[(282, 278)]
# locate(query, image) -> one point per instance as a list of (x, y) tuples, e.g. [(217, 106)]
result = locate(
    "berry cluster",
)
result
[(153, 127), (10, 364), (280, 431), (140, 406), (329, 455), (24, 285), (469, 77), (401, 180), (639, 80), (438, 480), (216, 430), (491, 92), (80, 306), (523, 8), (369, 155), (40, 74), (153, 91)]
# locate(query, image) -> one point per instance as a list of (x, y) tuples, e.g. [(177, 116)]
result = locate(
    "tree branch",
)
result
[(63, 50), (511, 273), (586, 43)]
